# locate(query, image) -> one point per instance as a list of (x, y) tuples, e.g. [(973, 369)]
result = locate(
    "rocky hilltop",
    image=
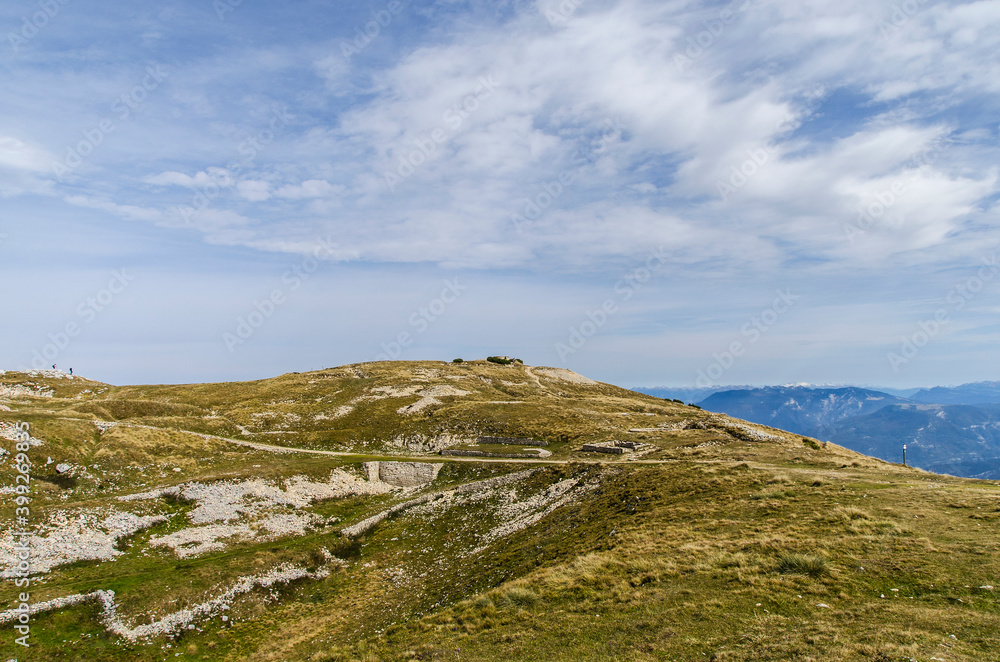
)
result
[(430, 510)]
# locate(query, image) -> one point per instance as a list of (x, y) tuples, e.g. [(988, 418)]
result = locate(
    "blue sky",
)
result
[(649, 193)]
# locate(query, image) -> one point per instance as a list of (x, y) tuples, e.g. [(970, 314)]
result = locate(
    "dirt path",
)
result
[(286, 450), (527, 369)]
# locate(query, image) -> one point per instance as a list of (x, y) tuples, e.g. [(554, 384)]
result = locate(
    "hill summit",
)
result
[(475, 510)]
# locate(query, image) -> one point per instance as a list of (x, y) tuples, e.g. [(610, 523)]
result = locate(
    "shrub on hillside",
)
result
[(802, 564), (520, 597)]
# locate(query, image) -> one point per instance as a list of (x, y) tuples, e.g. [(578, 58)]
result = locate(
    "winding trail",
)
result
[(602, 460), (286, 450), (531, 374)]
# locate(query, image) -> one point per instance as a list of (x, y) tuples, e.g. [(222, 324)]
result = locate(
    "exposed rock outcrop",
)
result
[(178, 620), (420, 443), (368, 524)]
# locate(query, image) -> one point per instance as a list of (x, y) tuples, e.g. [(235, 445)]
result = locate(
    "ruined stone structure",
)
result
[(402, 474), (470, 453)]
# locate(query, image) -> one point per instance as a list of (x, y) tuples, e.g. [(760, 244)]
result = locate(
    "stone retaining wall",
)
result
[(465, 453), (594, 448), (511, 441), (611, 447)]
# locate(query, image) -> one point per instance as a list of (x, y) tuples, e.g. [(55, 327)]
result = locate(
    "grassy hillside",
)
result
[(717, 539)]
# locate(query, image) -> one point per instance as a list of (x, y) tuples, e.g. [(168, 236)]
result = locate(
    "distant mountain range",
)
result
[(796, 408), (953, 430), (978, 393)]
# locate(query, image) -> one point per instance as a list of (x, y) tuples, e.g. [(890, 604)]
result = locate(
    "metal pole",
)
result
[(904, 455)]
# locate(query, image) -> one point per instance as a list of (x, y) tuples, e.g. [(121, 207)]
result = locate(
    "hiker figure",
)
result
[(71, 371), (53, 366)]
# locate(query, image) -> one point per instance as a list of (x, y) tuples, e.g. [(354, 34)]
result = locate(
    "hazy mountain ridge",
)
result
[(957, 434), (696, 394), (962, 440), (975, 393), (691, 395), (798, 409)]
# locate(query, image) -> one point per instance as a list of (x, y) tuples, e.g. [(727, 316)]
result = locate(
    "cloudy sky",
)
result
[(649, 193)]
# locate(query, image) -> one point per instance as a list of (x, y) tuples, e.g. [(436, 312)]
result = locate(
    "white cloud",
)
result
[(210, 178), (18, 155), (130, 212), (170, 178), (212, 220), (312, 188), (479, 122), (537, 140), (254, 190)]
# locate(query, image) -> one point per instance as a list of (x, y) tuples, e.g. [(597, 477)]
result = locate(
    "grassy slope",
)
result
[(715, 562), (704, 555)]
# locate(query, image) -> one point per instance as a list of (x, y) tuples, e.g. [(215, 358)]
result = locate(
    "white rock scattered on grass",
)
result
[(68, 537), (384, 392), (752, 432), (229, 511), (49, 373), (520, 514), (196, 540), (430, 397), (469, 488), (179, 620), (515, 514), (12, 432), (339, 412), (226, 500), (19, 391)]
